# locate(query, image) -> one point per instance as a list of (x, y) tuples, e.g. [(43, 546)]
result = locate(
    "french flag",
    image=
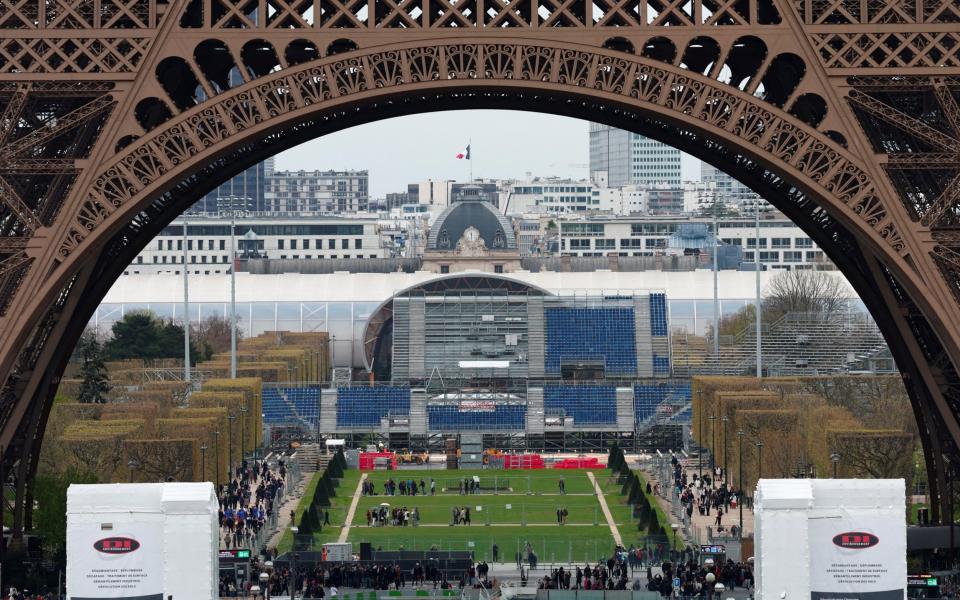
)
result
[(464, 154)]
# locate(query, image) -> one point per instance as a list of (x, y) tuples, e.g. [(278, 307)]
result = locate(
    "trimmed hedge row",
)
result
[(311, 520), (649, 521)]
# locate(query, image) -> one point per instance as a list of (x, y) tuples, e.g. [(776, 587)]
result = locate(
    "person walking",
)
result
[(433, 487), (496, 553)]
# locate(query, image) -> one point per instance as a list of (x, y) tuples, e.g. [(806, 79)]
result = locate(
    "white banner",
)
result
[(123, 563), (477, 406), (857, 555)]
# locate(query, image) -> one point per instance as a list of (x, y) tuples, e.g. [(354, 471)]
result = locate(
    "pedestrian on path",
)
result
[(496, 553)]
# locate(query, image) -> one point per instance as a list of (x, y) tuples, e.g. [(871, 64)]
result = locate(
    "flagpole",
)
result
[(470, 157)]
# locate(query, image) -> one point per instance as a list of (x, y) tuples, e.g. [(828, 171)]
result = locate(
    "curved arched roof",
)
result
[(494, 228), (453, 282)]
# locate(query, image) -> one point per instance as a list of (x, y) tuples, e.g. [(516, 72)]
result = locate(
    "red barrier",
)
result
[(368, 460), (579, 463), (523, 461)]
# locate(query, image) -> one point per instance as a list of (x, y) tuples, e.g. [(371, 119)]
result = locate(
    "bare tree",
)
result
[(214, 333), (875, 454), (804, 291)]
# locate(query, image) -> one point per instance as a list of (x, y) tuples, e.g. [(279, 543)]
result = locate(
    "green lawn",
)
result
[(338, 509), (510, 518), (531, 517), (551, 543)]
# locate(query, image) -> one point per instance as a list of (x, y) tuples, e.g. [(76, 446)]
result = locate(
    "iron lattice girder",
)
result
[(895, 117), (12, 112), (948, 103), (930, 160), (948, 201), (12, 200), (29, 143), (34, 166)]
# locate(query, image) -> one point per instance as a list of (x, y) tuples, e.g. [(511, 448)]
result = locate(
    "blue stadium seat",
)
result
[(365, 406), (452, 418), (282, 405), (603, 334), (647, 397), (588, 405), (661, 364), (658, 315)]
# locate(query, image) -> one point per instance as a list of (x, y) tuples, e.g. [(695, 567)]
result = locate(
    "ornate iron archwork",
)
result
[(115, 115)]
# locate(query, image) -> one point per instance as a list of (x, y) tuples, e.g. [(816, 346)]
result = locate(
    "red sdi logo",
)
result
[(116, 545), (856, 540)]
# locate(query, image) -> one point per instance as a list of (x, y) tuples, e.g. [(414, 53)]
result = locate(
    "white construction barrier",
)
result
[(827, 539), (142, 541)]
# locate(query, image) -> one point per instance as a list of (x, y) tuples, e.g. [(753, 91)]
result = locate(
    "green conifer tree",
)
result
[(94, 385)]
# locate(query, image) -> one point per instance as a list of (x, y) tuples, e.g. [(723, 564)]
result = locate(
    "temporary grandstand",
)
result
[(795, 344), (487, 354)]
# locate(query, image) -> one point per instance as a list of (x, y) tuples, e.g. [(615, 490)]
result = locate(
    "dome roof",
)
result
[(494, 228)]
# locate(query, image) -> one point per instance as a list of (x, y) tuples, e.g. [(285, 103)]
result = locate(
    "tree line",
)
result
[(311, 519), (633, 488), (143, 335)]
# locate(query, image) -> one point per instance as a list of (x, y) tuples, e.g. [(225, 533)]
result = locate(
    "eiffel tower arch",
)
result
[(116, 115)]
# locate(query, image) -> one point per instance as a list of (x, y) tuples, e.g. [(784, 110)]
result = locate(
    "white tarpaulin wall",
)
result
[(142, 541), (823, 539)]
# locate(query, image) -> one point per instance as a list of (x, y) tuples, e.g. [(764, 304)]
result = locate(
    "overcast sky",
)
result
[(504, 144)]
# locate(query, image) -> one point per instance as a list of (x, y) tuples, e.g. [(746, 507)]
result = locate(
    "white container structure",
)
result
[(818, 539), (143, 541)]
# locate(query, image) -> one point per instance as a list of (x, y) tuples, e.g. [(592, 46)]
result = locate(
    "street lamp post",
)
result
[(740, 479), (759, 460), (713, 444), (725, 420), (233, 293), (700, 437), (203, 461), (293, 565), (230, 420), (835, 459), (216, 451), (186, 307), (243, 432)]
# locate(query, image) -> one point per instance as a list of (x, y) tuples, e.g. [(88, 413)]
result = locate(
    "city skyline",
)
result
[(426, 147)]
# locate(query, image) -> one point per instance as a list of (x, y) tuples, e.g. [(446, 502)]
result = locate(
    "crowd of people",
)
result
[(695, 578), (247, 501), (469, 486), (400, 516), (619, 573), (404, 487), (324, 580), (705, 494)]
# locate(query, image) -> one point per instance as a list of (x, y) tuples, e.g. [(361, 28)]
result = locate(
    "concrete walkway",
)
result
[(290, 502), (606, 510), (353, 509)]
